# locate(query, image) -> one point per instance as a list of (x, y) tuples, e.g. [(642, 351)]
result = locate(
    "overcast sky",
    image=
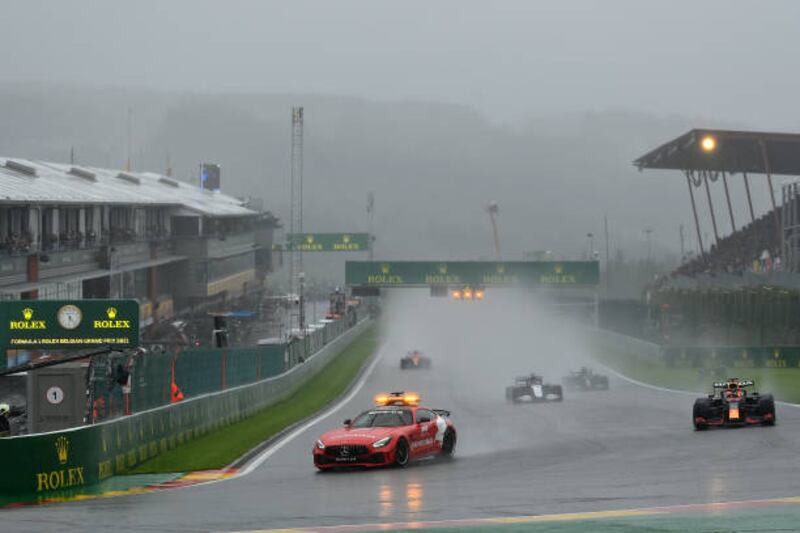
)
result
[(725, 60)]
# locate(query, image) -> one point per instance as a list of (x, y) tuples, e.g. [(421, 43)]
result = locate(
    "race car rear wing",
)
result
[(441, 412), (741, 382)]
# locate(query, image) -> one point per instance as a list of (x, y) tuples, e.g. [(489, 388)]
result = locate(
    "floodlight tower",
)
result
[(296, 208)]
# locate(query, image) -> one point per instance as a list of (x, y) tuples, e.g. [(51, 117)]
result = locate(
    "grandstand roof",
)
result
[(31, 182), (733, 151)]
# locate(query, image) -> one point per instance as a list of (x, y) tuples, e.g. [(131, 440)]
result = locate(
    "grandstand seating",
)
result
[(736, 253)]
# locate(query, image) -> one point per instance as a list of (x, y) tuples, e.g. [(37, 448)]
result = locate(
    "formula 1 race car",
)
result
[(534, 389), (732, 405), (395, 432), (415, 359), (585, 379)]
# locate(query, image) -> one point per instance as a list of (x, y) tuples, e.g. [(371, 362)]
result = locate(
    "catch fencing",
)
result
[(57, 464), (194, 371)]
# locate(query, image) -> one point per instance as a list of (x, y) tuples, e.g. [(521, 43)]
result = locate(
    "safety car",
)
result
[(394, 432)]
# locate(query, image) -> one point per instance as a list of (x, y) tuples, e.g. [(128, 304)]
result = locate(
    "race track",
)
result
[(626, 448)]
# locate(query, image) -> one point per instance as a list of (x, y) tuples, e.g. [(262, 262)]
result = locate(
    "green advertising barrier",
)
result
[(67, 324), (60, 464), (328, 242), (484, 273), (733, 356)]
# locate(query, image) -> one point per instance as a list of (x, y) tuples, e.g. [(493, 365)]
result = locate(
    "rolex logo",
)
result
[(559, 269), (111, 312), (385, 268), (62, 449), (310, 239), (346, 239), (443, 268), (776, 354), (27, 313), (501, 269)]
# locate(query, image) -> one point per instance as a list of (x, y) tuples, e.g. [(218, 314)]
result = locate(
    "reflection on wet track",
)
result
[(626, 448)]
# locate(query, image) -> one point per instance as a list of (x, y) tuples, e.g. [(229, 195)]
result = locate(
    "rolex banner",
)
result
[(68, 324), (478, 273), (328, 242)]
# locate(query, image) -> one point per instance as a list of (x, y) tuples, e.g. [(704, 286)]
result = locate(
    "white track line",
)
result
[(270, 451), (649, 386), (675, 391)]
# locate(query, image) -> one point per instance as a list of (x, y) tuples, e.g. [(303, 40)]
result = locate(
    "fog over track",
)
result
[(628, 447)]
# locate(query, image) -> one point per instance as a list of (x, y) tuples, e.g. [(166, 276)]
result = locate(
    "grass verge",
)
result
[(784, 383), (220, 448)]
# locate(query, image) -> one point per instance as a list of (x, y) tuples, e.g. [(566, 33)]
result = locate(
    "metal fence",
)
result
[(156, 377), (55, 464)]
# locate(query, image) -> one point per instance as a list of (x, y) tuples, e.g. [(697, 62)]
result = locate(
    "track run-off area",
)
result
[(607, 457)]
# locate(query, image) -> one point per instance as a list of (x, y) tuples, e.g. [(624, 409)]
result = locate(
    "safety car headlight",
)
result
[(320, 445), (381, 442)]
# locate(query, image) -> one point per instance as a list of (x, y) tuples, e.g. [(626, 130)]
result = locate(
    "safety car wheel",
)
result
[(401, 454), (449, 443)]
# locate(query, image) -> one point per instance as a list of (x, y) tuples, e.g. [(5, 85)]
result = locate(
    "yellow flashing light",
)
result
[(456, 294), (479, 294), (397, 398)]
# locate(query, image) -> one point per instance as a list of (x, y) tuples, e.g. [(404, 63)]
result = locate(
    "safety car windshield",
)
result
[(383, 419)]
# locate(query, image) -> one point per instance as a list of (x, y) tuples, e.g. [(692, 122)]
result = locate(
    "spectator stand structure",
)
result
[(743, 287), (708, 156)]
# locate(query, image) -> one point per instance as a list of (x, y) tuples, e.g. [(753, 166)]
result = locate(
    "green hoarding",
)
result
[(68, 324), (485, 273), (328, 242)]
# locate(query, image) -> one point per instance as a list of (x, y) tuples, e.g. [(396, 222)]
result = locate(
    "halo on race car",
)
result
[(397, 398)]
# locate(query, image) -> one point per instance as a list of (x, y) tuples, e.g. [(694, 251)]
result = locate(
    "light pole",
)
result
[(590, 236), (648, 233)]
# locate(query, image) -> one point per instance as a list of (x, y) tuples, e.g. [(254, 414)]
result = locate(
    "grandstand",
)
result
[(706, 157), (742, 288), (754, 248)]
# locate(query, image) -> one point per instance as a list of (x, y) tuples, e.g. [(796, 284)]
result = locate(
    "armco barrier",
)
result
[(48, 465)]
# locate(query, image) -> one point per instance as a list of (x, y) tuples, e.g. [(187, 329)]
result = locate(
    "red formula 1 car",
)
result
[(732, 405), (395, 432)]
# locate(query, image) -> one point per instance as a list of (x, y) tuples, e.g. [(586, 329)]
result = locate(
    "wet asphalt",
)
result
[(624, 448)]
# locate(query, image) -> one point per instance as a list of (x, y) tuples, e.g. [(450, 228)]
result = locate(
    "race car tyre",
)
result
[(700, 410), (401, 454), (402, 365), (449, 443), (559, 392), (767, 405)]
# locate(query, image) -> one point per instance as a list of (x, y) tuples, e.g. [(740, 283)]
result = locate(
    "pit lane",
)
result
[(629, 447)]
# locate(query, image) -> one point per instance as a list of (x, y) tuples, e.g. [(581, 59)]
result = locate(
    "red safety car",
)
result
[(395, 432)]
